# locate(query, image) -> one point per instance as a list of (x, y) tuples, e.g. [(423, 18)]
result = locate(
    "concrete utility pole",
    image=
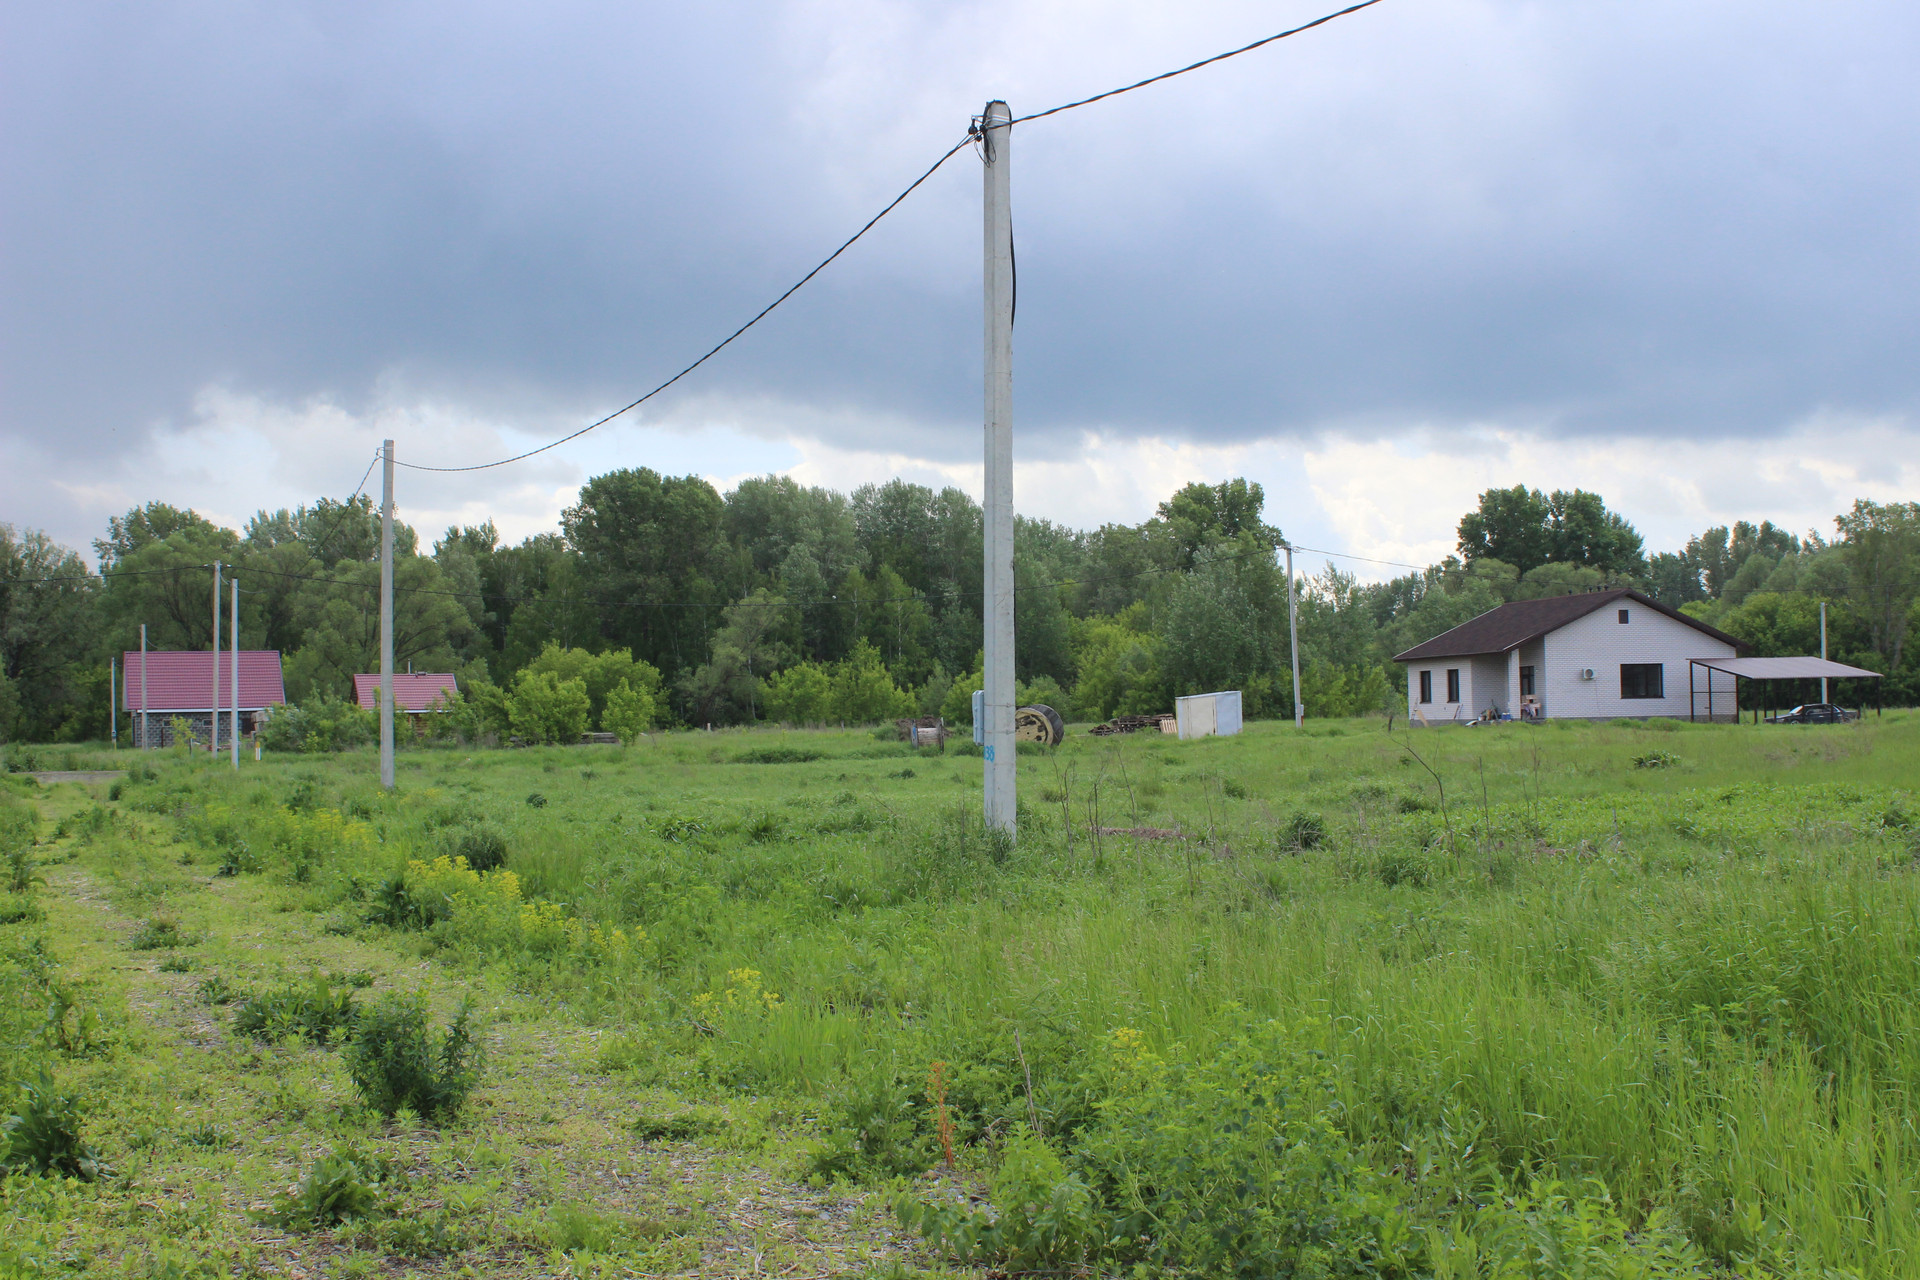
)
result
[(113, 705), (234, 632), (1293, 642), (1823, 648), (386, 615), (213, 732), (145, 741), (996, 132)]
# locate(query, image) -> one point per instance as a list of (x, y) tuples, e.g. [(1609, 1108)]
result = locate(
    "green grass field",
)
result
[(1568, 1000)]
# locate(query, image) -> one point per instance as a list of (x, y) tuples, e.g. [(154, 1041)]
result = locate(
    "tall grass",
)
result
[(1694, 983)]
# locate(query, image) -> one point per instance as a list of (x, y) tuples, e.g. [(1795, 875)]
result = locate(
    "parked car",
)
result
[(1815, 713)]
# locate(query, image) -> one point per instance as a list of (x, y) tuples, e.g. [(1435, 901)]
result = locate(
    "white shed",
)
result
[(1204, 715), (1593, 656)]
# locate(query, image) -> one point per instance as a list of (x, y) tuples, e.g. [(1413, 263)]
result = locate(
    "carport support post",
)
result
[(386, 614), (996, 132)]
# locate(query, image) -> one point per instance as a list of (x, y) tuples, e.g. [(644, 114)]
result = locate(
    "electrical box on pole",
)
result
[(996, 133), (386, 615)]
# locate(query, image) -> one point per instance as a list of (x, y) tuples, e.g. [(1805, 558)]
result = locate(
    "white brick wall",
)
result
[(1440, 710), (1600, 641)]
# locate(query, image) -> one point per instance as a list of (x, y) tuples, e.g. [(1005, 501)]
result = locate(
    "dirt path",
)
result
[(544, 1173)]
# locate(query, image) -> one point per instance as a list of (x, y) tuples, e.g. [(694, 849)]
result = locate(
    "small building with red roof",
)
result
[(167, 685), (414, 692)]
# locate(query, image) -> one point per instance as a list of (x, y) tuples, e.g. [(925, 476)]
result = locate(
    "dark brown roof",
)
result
[(1512, 625)]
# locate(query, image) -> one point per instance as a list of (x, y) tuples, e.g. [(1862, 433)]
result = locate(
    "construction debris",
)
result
[(1134, 724)]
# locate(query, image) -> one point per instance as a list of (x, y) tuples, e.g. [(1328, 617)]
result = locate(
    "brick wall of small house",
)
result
[(1601, 642)]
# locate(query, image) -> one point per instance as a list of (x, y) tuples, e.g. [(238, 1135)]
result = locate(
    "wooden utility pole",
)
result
[(386, 615), (996, 133)]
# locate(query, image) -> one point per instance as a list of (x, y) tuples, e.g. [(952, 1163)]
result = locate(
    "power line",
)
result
[(1195, 66), (716, 348), (973, 132), (1348, 555)]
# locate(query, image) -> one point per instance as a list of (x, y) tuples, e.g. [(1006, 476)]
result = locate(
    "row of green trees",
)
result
[(661, 600)]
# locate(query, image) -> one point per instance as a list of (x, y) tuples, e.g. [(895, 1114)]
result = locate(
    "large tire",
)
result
[(1039, 723)]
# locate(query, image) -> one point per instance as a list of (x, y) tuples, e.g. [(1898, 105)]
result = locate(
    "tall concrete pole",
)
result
[(386, 615), (1293, 642), (113, 705), (1823, 649), (145, 741), (233, 634), (996, 126), (213, 733)]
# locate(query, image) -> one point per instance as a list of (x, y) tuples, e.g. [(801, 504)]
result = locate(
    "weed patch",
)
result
[(398, 1060)]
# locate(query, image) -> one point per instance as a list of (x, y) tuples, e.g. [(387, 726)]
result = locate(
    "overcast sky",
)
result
[(1663, 251)]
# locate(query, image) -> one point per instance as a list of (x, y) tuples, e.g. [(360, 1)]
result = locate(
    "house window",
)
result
[(1623, 617), (1453, 684), (1642, 680), (1426, 686), (1526, 682)]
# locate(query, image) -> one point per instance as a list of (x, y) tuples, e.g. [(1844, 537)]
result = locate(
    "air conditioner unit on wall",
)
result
[(1586, 673)]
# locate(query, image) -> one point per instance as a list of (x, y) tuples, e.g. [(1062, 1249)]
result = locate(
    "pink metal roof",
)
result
[(412, 690), (184, 681)]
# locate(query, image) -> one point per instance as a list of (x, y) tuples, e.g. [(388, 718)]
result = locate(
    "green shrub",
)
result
[(342, 1186), (1303, 831), (1656, 760), (216, 990), (397, 1060), (314, 1011), (779, 755), (1225, 1164), (159, 933), (19, 908), (1044, 1217), (536, 801), (874, 1128), (1411, 867), (484, 847), (43, 1136)]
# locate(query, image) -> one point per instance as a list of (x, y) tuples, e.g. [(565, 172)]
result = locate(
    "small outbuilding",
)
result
[(414, 692), (172, 685), (1593, 656)]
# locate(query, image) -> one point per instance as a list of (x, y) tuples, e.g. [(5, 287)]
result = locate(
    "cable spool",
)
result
[(1039, 723)]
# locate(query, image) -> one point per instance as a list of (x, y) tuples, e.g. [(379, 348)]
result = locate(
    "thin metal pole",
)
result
[(145, 740), (1293, 643), (213, 734), (999, 802), (234, 677), (386, 615)]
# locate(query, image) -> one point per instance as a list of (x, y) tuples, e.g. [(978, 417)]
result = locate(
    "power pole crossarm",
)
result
[(996, 134)]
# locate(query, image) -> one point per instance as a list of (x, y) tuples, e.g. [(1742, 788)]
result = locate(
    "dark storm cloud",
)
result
[(1629, 217)]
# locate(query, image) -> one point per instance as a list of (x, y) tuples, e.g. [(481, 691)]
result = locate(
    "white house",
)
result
[(1592, 656)]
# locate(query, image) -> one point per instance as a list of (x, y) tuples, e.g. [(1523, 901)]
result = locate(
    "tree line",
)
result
[(787, 603)]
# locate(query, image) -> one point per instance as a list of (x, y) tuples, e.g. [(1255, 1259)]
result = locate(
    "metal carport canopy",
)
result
[(1785, 668)]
